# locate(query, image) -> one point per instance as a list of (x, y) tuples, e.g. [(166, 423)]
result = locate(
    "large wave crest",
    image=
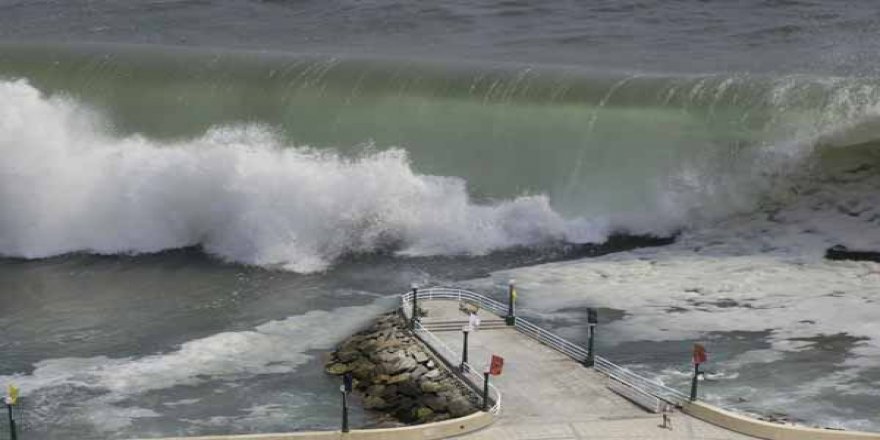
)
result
[(68, 185)]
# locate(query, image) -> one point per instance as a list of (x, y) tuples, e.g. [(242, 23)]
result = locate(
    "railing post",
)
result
[(592, 321), (415, 307), (510, 319)]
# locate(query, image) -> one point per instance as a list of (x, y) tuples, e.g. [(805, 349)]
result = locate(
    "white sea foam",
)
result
[(239, 192), (759, 272), (95, 389)]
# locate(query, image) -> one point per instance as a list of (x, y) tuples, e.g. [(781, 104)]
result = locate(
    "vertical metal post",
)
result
[(464, 350), (13, 435), (347, 386), (510, 319), (591, 352), (415, 307), (486, 391), (694, 382), (344, 412), (592, 322)]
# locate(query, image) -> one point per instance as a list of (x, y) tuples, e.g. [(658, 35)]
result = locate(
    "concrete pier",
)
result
[(549, 396)]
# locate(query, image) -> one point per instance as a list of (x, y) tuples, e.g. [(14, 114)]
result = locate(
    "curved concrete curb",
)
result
[(428, 431), (766, 430)]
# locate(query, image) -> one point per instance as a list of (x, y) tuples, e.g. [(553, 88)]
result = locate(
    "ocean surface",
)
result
[(199, 198)]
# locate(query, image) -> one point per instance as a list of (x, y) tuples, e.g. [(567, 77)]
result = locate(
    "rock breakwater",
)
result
[(394, 375)]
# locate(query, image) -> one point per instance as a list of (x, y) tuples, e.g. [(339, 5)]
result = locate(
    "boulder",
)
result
[(423, 414), (402, 377), (409, 388), (337, 369), (418, 372), (375, 402), (347, 356), (431, 387), (437, 403), (405, 364), (420, 357), (459, 407)]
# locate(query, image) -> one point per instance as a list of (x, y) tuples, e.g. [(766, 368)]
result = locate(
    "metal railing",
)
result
[(564, 346)]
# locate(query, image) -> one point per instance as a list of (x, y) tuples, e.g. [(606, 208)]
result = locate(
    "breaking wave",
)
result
[(238, 192)]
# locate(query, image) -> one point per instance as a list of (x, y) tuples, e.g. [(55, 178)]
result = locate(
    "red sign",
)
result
[(496, 365), (700, 355)]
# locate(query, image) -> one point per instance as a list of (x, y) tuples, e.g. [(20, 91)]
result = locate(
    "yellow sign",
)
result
[(12, 394), (513, 294)]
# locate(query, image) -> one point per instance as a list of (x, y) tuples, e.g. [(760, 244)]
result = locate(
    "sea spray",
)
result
[(239, 192)]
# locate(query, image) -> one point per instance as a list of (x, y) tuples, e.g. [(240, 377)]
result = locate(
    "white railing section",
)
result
[(475, 377), (552, 340)]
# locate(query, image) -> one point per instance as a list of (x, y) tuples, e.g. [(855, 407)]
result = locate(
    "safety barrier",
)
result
[(443, 350), (570, 349)]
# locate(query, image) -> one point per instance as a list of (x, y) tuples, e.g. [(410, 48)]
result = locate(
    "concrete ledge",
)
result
[(766, 430), (428, 431)]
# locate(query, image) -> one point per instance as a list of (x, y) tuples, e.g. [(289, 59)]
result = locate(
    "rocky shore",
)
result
[(396, 377)]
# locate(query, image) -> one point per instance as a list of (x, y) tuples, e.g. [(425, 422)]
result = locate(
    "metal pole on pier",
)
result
[(699, 358), (415, 307), (464, 350), (486, 391), (510, 319), (592, 321), (11, 399), (345, 389)]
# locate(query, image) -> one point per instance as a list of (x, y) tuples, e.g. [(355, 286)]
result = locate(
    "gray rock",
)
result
[(348, 356), (418, 372), (431, 387), (459, 407), (437, 403), (405, 364), (420, 357), (432, 374), (409, 388), (375, 402)]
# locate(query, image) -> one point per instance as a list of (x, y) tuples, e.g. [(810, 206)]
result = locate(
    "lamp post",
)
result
[(510, 319), (13, 434), (415, 306), (464, 350), (347, 385), (700, 357), (486, 391), (592, 321)]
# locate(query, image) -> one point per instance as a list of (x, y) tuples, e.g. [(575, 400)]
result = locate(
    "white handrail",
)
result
[(552, 340)]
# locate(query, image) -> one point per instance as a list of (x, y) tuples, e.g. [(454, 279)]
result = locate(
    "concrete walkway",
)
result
[(547, 395)]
